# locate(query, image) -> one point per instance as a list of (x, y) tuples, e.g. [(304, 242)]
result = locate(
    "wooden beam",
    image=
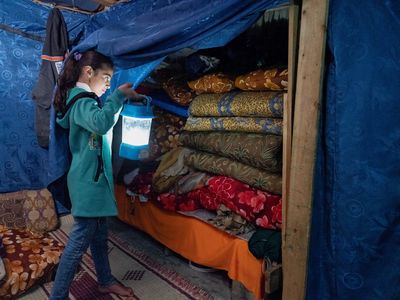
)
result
[(305, 130), (109, 2), (288, 110), (62, 7), (288, 117)]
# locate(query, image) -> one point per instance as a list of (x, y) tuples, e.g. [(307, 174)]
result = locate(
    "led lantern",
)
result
[(136, 126)]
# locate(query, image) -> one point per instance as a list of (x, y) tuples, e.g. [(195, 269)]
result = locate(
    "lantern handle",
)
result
[(145, 97), (148, 102)]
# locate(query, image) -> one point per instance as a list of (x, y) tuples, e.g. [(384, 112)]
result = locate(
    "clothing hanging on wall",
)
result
[(53, 53)]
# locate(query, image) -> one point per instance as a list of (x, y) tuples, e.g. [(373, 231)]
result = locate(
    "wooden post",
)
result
[(288, 101), (305, 129)]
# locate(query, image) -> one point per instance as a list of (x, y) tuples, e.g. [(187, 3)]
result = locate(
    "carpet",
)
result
[(130, 266)]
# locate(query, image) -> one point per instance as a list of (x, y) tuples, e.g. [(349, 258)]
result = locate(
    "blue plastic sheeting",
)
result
[(139, 34), (23, 164), (142, 31), (355, 232), (28, 17), (163, 101), (134, 75)]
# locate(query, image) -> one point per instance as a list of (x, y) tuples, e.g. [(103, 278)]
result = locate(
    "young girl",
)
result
[(90, 180)]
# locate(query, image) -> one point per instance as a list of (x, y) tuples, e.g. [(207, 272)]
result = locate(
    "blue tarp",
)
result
[(355, 232), (23, 164), (139, 34), (142, 31)]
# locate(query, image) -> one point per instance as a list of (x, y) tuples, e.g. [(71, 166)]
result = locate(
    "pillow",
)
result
[(39, 211), (260, 80), (178, 90), (213, 83), (29, 259), (11, 210)]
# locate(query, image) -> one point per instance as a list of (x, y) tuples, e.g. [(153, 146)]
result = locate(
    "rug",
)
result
[(130, 266)]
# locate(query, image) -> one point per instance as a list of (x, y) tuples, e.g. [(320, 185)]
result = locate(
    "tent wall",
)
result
[(23, 164), (355, 232)]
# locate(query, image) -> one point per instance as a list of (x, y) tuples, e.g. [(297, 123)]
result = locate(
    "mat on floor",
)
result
[(130, 266)]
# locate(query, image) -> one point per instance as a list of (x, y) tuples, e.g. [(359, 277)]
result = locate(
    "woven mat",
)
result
[(130, 266)]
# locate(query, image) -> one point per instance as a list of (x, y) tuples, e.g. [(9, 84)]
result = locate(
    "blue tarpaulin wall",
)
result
[(139, 34), (355, 233), (135, 34), (23, 164)]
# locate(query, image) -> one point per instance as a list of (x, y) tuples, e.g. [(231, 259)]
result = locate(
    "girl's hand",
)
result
[(126, 88)]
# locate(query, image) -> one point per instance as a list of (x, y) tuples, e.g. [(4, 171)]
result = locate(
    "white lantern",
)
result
[(136, 126)]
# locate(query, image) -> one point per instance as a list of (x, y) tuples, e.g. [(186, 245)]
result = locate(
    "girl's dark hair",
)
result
[(71, 71)]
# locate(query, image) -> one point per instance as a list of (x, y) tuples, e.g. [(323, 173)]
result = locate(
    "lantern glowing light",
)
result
[(136, 126)]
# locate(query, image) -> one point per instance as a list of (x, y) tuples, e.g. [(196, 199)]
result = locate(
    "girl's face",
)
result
[(99, 82)]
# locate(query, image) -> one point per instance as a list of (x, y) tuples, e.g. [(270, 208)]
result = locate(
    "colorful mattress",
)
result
[(195, 240)]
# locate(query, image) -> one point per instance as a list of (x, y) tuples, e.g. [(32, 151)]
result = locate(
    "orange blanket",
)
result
[(194, 240)]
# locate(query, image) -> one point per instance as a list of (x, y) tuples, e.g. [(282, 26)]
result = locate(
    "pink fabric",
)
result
[(141, 184), (257, 206), (190, 201), (187, 202)]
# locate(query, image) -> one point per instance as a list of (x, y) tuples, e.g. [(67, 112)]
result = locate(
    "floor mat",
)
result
[(130, 266)]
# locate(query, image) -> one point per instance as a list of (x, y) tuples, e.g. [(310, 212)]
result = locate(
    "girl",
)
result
[(90, 180)]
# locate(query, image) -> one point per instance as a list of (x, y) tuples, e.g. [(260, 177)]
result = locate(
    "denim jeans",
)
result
[(85, 232)]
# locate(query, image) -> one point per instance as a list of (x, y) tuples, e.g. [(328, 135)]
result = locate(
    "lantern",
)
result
[(136, 126)]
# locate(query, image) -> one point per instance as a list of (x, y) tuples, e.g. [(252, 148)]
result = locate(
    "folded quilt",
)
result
[(238, 104), (229, 197), (178, 90), (254, 177), (259, 207), (164, 135), (240, 124), (171, 170), (258, 150), (212, 83), (260, 80)]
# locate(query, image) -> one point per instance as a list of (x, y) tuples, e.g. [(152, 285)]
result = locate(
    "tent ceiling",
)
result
[(83, 6)]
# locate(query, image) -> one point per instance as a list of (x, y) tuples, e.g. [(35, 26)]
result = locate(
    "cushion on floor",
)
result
[(30, 258), (39, 211), (33, 210), (12, 209)]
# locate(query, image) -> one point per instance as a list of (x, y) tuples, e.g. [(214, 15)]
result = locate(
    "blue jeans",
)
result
[(85, 232)]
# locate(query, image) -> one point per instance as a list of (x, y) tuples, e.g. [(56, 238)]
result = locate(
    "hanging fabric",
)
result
[(53, 53)]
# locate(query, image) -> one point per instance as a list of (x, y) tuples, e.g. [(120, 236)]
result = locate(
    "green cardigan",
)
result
[(91, 191)]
